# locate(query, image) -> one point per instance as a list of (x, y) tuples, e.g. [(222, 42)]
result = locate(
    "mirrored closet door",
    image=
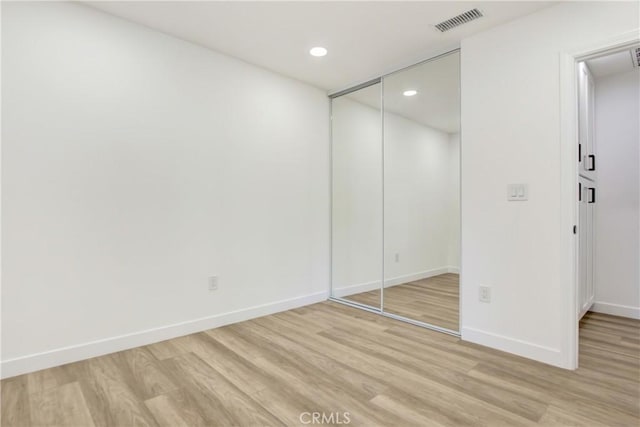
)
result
[(396, 194), (356, 211), (422, 192)]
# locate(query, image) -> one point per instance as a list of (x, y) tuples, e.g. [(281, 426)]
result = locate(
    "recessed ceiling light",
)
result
[(318, 51), (409, 92)]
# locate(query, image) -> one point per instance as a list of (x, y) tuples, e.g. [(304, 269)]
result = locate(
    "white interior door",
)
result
[(586, 103), (590, 260), (582, 247), (586, 246)]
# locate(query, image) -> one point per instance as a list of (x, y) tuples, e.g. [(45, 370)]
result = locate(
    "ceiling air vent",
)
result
[(463, 18), (635, 56)]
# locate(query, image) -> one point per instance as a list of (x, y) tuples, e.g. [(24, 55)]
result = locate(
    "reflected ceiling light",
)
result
[(410, 92), (318, 51)]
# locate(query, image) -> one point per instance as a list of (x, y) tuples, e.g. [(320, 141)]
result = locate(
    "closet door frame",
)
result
[(332, 97), (341, 300)]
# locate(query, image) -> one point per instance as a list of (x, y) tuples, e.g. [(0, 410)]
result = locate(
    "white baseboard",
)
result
[(61, 356), (526, 349), (356, 289), (394, 281), (616, 309)]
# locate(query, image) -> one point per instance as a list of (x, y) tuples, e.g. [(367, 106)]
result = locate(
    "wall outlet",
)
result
[(485, 294), (397, 257), (213, 283)]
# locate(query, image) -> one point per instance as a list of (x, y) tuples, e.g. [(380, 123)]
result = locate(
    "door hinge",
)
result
[(575, 229)]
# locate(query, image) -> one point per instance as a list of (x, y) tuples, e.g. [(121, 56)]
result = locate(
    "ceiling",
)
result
[(364, 39), (619, 62), (437, 103)]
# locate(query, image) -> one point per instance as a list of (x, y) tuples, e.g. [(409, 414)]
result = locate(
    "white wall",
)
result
[(421, 192), (134, 166), (617, 131), (511, 134)]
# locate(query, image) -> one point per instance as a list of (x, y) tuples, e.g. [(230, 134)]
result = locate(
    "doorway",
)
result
[(607, 185)]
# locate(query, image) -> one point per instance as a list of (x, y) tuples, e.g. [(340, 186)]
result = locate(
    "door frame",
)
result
[(569, 175), (440, 53)]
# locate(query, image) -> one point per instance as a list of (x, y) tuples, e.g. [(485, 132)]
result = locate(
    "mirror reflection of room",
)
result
[(396, 194), (356, 153), (422, 192)]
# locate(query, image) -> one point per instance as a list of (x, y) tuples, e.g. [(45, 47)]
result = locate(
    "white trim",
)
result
[(552, 356), (74, 353), (355, 289), (569, 177), (616, 309), (399, 280), (394, 281), (587, 307), (383, 277), (568, 214)]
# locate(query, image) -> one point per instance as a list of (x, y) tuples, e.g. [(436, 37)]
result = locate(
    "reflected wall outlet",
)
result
[(213, 283), (485, 294)]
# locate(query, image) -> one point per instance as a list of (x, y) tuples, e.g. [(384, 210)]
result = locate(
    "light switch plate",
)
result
[(517, 192)]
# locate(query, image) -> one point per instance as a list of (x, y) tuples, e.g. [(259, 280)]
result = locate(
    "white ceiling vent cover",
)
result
[(635, 56), (463, 18)]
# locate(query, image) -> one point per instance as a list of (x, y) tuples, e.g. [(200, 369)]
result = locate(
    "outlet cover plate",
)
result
[(485, 294)]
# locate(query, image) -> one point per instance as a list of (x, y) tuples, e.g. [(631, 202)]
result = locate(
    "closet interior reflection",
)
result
[(396, 194)]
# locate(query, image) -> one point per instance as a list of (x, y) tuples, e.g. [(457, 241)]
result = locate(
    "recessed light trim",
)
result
[(410, 92), (318, 51)]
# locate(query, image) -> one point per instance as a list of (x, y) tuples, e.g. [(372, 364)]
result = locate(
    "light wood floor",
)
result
[(333, 358), (435, 300)]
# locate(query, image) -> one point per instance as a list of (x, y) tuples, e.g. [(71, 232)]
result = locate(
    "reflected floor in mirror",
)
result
[(434, 300)]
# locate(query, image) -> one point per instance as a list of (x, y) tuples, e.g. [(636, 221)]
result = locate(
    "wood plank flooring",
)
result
[(333, 359), (435, 300)]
